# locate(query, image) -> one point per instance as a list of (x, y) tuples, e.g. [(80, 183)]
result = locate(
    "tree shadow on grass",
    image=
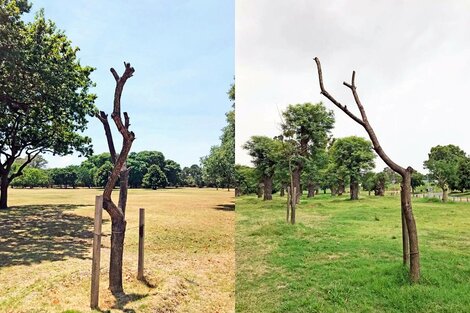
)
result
[(34, 233), (225, 207)]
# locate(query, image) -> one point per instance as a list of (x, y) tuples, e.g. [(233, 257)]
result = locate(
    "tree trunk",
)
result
[(311, 190), (283, 187), (260, 190), (4, 191), (410, 225), (354, 189), (445, 196), (118, 227), (341, 188), (404, 173), (268, 187), (296, 179), (334, 190)]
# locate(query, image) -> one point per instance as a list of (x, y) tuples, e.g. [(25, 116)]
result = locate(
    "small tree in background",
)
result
[(443, 163), (308, 125), (154, 178), (355, 156), (265, 153)]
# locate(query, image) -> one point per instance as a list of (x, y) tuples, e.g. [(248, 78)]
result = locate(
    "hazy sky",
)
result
[(183, 55), (412, 62)]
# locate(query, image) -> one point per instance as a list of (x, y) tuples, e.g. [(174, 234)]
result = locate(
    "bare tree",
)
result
[(409, 230), (120, 170)]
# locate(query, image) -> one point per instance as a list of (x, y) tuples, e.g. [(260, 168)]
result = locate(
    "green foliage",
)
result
[(218, 167), (32, 177), (247, 179), (417, 179), (154, 178), (102, 173), (463, 171), (443, 163), (192, 176), (354, 155), (265, 153), (172, 172), (308, 124)]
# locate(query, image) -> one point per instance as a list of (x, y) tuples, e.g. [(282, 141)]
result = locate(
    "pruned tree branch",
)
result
[(103, 117), (363, 121), (119, 160)]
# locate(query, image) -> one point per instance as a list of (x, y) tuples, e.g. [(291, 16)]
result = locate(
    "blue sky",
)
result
[(183, 54)]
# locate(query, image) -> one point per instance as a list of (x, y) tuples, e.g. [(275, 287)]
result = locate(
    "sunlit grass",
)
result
[(45, 250), (345, 256)]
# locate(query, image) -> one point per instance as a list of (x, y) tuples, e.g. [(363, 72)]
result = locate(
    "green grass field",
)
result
[(345, 256), (45, 252)]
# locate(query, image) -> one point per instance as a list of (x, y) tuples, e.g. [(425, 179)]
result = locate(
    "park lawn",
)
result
[(345, 256), (45, 252)]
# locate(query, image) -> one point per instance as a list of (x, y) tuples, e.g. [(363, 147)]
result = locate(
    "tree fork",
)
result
[(411, 229)]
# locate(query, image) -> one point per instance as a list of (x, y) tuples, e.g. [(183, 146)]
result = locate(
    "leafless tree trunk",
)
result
[(409, 229), (120, 170)]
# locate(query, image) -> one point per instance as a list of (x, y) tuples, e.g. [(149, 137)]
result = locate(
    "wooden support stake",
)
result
[(95, 267), (288, 204), (293, 204), (140, 267)]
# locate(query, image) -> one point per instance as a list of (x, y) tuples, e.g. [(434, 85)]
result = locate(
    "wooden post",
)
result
[(293, 204), (95, 265), (140, 266), (288, 204)]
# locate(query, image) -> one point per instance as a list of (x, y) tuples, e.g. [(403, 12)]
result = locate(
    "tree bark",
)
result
[(296, 180), (120, 170), (118, 226), (341, 188), (260, 190), (283, 187), (4, 191), (311, 190), (268, 188), (354, 189), (445, 195)]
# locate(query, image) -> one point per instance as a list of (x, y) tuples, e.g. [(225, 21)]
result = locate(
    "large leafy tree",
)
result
[(443, 163), (44, 92), (309, 125), (265, 153), (356, 157)]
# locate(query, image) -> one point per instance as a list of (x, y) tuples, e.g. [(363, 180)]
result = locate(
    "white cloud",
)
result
[(412, 61)]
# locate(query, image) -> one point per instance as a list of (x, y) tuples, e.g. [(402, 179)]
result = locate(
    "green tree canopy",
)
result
[(44, 92), (443, 163), (354, 155), (154, 178)]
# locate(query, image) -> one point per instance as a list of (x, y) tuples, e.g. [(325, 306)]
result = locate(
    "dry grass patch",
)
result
[(45, 252)]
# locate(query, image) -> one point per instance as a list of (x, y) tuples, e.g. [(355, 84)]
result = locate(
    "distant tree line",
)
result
[(149, 169), (308, 157)]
